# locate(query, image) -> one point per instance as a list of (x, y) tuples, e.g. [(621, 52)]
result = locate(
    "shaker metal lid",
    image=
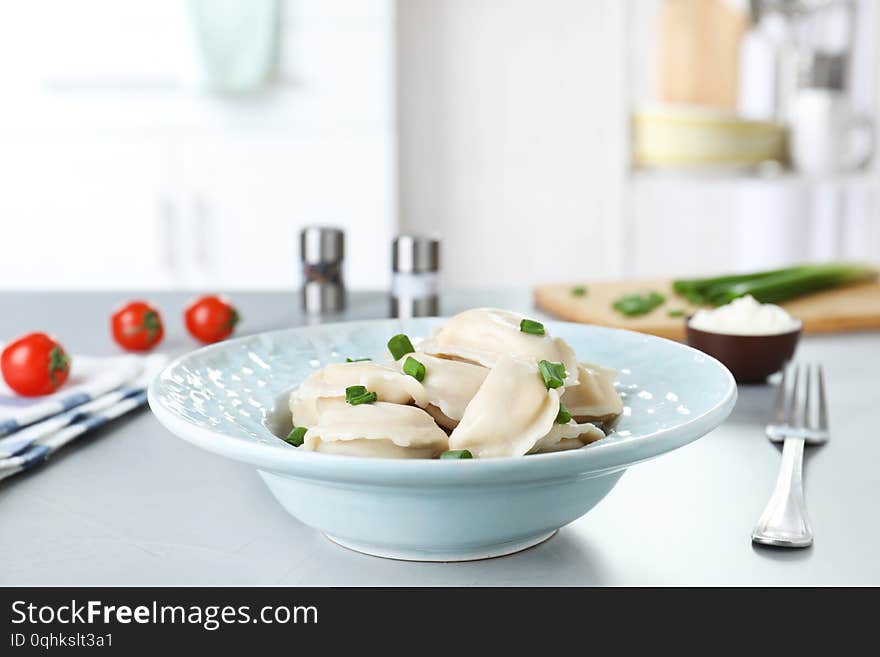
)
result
[(321, 244), (415, 254)]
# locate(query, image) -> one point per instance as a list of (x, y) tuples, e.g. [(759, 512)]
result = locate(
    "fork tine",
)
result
[(790, 418), (823, 408), (779, 404), (807, 420)]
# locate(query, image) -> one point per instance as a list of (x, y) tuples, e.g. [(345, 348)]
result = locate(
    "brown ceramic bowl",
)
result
[(750, 358)]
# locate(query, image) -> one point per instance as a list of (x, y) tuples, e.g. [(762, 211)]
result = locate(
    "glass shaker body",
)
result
[(415, 276)]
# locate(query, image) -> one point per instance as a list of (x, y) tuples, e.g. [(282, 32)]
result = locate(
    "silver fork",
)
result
[(784, 522)]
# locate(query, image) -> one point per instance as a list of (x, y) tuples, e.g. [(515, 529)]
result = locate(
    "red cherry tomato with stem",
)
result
[(137, 326), (211, 318), (34, 365)]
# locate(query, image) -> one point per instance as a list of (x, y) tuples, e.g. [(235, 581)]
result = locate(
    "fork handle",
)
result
[(784, 522)]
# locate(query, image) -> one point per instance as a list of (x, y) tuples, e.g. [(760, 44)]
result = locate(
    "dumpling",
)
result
[(568, 436), (510, 413), (594, 397), (449, 386), (379, 429), (513, 413), (332, 380), (484, 335)]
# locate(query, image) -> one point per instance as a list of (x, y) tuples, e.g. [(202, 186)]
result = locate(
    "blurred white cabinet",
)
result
[(83, 215), (701, 225), (245, 201), (219, 212)]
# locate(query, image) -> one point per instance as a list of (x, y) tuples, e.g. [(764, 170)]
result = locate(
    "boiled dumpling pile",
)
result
[(489, 383)]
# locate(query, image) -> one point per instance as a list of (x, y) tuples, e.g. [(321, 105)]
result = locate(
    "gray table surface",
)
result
[(132, 504)]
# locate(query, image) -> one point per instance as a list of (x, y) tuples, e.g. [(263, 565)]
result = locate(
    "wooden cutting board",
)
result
[(851, 308)]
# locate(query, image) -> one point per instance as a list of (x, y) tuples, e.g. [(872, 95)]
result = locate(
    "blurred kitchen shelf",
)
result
[(704, 177)]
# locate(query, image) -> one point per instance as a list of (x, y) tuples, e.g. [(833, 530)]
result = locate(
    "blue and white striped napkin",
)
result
[(34, 443), (89, 378)]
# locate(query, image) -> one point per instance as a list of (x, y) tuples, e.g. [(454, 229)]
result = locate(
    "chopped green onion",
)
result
[(356, 360), (414, 368), (563, 416), (552, 373), (532, 327), (579, 291), (354, 391), (296, 436), (675, 312), (400, 346), (355, 395), (368, 398), (633, 305), (457, 454)]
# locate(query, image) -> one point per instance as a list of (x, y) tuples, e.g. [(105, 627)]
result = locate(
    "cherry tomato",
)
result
[(211, 318), (137, 326), (34, 365)]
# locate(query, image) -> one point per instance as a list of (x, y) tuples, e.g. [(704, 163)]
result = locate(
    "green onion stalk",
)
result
[(773, 286)]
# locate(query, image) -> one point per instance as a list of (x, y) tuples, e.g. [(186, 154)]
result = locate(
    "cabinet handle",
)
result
[(166, 230), (202, 224)]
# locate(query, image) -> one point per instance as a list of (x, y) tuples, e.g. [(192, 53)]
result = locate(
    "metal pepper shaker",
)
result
[(322, 250), (415, 272)]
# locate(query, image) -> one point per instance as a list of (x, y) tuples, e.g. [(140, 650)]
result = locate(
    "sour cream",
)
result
[(745, 316)]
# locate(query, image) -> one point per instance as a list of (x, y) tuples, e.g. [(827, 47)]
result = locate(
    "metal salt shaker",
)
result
[(322, 250), (415, 265)]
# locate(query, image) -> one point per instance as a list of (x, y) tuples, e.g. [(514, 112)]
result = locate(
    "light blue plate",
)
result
[(230, 398)]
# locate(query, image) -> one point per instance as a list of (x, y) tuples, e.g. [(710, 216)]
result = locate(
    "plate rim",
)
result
[(597, 460)]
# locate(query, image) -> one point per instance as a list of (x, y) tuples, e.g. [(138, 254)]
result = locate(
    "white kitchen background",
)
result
[(116, 171), (500, 125)]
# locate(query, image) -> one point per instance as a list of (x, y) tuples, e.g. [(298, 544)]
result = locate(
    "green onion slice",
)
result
[(457, 454), (400, 346), (675, 312), (356, 360), (563, 416), (355, 395), (635, 305), (414, 368), (296, 436), (354, 391), (579, 291), (532, 327), (552, 373), (367, 398)]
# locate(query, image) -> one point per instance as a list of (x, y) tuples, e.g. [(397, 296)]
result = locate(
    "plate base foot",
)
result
[(463, 554)]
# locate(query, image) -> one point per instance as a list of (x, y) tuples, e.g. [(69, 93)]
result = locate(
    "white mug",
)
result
[(825, 136)]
